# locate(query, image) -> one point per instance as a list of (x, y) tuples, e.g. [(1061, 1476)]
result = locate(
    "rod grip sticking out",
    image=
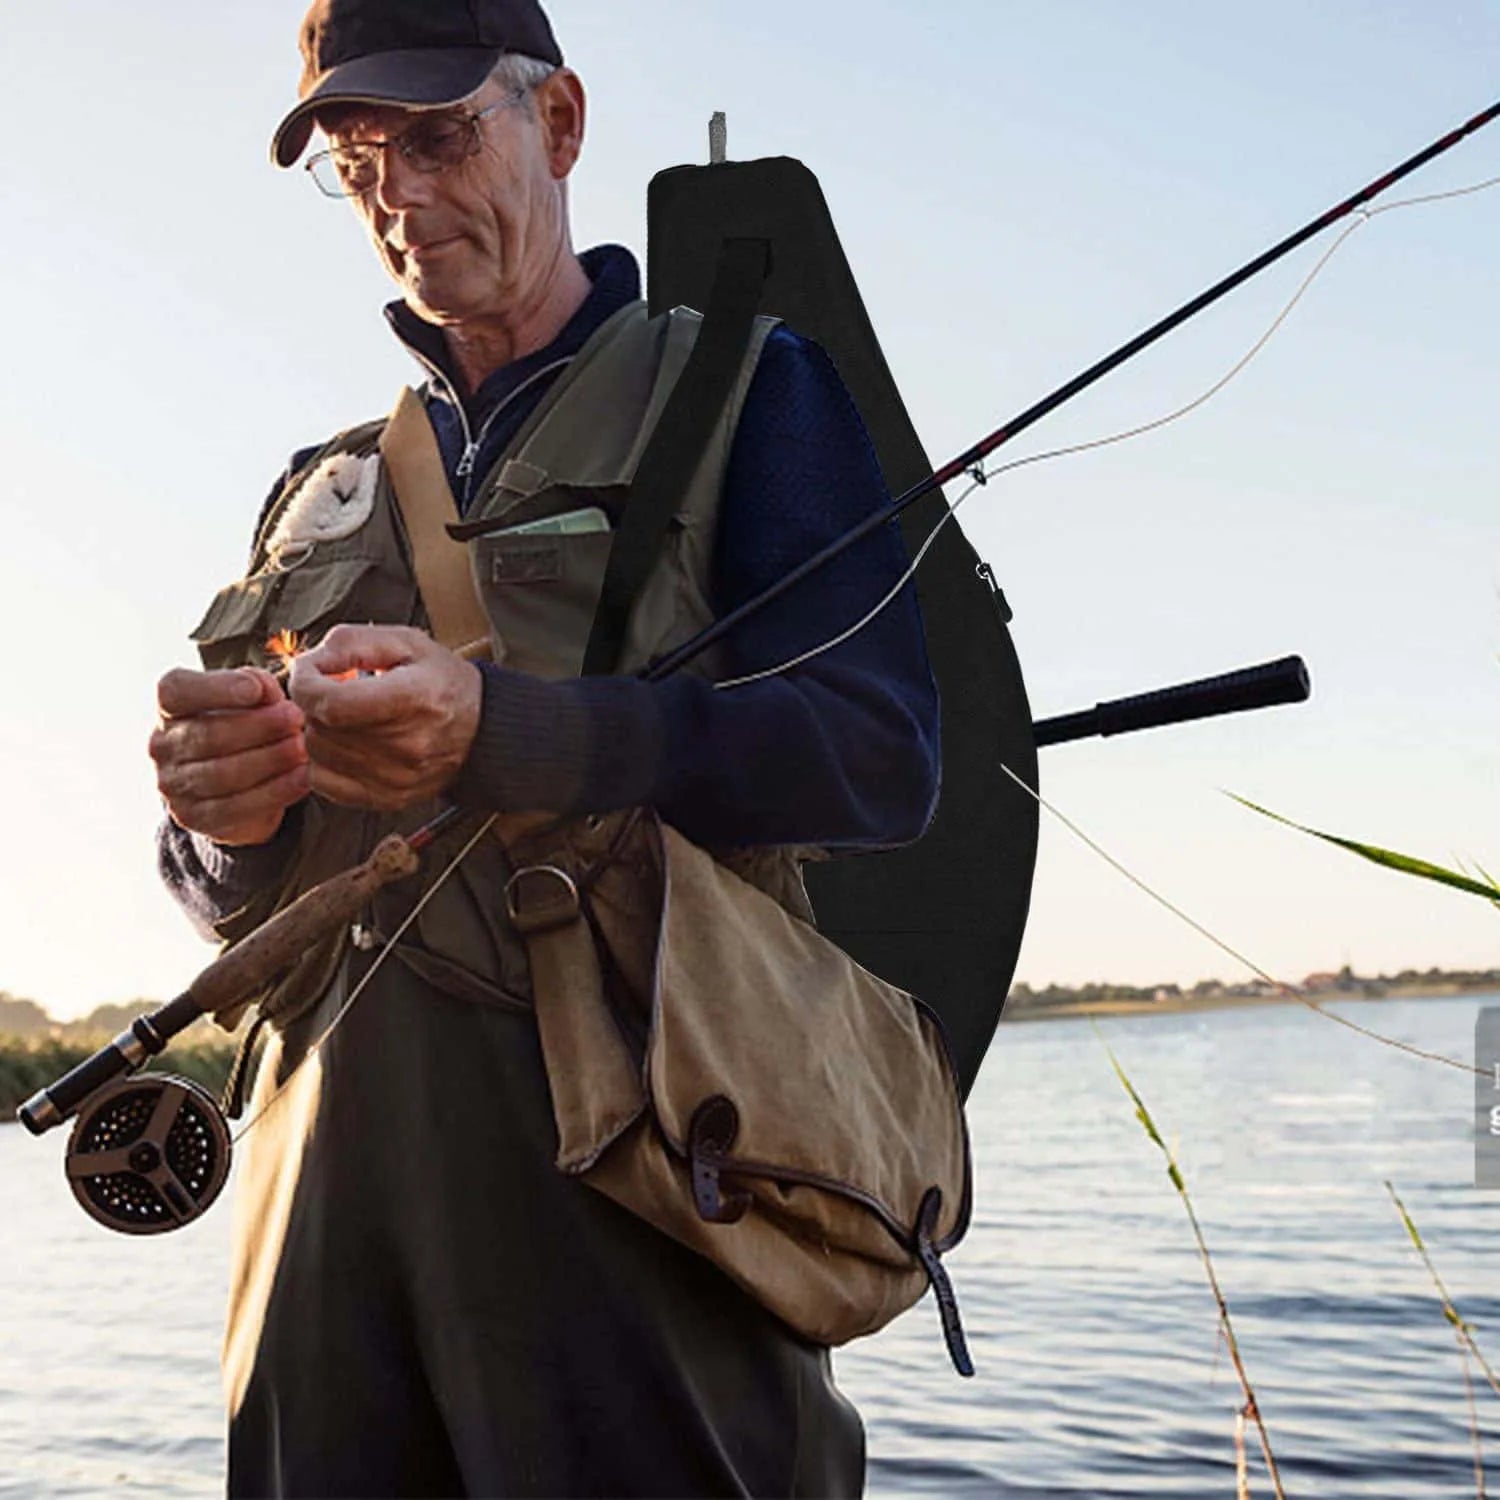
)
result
[(1283, 681), (277, 944), (234, 976)]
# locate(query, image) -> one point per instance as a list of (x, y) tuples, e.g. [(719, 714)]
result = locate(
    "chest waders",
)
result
[(420, 1302), (599, 1357)]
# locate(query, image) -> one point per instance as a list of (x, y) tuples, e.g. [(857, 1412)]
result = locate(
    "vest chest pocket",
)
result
[(307, 600), (540, 591)]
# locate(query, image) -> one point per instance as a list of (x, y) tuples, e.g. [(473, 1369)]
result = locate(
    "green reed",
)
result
[(1251, 1406), (1461, 1329)]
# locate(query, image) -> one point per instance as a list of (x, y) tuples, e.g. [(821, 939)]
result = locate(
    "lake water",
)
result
[(1088, 1313)]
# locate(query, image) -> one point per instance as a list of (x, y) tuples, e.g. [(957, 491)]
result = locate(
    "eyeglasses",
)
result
[(433, 144)]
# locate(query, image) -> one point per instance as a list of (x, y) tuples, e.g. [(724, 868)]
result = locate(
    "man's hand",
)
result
[(229, 753), (393, 739)]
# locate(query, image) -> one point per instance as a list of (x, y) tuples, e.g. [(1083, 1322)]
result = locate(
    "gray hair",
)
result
[(516, 71)]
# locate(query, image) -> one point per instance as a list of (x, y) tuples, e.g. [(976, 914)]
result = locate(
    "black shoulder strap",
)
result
[(676, 446)]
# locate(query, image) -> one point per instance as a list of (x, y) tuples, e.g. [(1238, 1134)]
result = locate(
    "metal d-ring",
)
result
[(547, 913)]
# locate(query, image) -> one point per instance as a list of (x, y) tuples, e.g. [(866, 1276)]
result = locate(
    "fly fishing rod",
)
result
[(972, 457), (1272, 682), (151, 1153)]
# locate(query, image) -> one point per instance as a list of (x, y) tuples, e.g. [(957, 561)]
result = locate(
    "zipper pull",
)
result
[(997, 594), (466, 463)]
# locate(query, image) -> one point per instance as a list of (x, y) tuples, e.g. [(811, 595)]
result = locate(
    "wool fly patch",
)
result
[(334, 501)]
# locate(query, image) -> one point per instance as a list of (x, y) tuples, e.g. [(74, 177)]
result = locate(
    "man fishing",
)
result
[(421, 1303)]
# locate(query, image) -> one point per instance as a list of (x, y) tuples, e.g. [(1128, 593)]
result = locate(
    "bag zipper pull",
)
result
[(466, 462)]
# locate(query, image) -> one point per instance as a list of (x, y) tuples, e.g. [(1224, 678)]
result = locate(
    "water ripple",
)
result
[(1101, 1372)]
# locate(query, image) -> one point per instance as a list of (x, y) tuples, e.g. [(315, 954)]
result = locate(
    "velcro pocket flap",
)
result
[(292, 599), (236, 608)]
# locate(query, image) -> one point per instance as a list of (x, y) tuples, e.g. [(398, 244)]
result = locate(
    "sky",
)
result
[(1019, 188)]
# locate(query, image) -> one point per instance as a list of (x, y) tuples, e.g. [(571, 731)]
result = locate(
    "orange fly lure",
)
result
[(283, 648)]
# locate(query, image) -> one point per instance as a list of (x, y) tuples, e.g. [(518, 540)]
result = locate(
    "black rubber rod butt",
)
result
[(1283, 681), (141, 1040)]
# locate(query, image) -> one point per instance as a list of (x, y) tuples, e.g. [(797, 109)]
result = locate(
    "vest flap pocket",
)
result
[(245, 615), (236, 608), (540, 591), (317, 589), (296, 598)]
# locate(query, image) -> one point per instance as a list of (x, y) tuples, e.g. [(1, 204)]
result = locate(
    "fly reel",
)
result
[(148, 1154)]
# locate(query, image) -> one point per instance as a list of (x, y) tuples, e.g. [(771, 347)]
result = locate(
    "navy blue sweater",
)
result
[(839, 752)]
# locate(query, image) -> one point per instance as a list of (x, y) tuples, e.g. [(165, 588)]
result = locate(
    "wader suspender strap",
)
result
[(676, 446), (454, 612)]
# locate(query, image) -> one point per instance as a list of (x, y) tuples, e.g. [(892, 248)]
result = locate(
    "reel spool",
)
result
[(148, 1154)]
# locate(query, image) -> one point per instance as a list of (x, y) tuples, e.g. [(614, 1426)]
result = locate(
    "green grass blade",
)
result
[(1251, 1407), (1405, 863)]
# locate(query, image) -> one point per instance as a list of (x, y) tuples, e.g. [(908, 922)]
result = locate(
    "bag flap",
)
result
[(838, 1078)]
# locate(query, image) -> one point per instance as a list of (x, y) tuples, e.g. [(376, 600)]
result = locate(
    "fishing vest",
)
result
[(579, 447), (714, 1065)]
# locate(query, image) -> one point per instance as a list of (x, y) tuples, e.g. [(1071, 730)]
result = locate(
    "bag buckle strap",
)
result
[(232, 1100), (711, 1133), (942, 1287), (539, 898)]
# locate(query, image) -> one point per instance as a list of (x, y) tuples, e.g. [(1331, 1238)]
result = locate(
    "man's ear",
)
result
[(562, 110)]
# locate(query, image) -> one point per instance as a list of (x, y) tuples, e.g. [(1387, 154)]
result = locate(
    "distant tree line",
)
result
[(25, 1018), (1341, 981), (35, 1049)]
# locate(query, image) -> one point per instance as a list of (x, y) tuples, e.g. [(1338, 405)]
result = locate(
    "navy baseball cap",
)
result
[(420, 53)]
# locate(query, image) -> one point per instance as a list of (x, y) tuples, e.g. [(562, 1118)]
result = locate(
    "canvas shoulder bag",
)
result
[(720, 1068), (717, 1066)]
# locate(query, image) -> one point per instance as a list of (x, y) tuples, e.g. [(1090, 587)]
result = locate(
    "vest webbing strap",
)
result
[(441, 565), (678, 442)]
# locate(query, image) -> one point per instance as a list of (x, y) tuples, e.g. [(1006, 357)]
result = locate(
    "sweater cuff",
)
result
[(245, 868), (213, 882), (581, 745)]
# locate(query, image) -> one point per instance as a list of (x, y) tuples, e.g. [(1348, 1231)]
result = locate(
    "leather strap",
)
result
[(596, 1088), (678, 443), (441, 565), (942, 1287)]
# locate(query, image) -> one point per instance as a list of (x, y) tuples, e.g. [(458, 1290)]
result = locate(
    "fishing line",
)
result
[(1218, 942), (981, 476), (368, 975)]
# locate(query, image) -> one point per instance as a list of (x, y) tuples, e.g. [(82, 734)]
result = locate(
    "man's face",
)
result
[(479, 239)]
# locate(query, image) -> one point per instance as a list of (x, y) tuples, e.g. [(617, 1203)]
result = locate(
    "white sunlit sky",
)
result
[(1019, 188)]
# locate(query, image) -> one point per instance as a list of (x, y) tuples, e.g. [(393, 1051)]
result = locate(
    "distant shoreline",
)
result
[(29, 1062), (1174, 1005)]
